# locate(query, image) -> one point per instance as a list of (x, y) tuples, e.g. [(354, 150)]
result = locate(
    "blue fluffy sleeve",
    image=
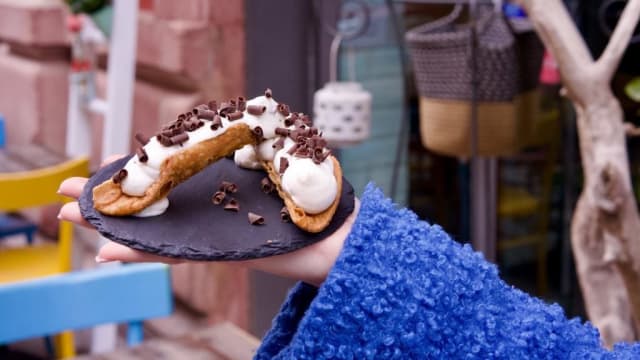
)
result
[(403, 289)]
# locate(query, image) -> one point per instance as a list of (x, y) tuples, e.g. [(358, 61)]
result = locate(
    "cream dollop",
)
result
[(311, 186), (246, 157), (154, 209)]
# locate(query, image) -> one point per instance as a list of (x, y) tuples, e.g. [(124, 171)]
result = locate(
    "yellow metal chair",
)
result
[(33, 188)]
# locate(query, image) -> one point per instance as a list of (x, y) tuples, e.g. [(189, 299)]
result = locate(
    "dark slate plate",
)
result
[(193, 228)]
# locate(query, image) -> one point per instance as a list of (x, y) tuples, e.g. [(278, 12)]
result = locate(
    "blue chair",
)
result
[(123, 294)]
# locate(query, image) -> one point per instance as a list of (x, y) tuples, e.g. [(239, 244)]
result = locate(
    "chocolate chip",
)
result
[(218, 197), (256, 110), (268, 93), (235, 115), (283, 109), (266, 186), (232, 205), (255, 219), (143, 140), (217, 122), (119, 176), (142, 155), (284, 214), (284, 164), (228, 186)]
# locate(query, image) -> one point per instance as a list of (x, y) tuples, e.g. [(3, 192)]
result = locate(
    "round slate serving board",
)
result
[(196, 229)]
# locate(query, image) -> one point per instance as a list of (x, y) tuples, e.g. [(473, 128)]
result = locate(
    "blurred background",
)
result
[(498, 168)]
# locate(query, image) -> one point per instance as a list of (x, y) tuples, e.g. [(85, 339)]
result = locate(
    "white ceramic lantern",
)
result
[(342, 111)]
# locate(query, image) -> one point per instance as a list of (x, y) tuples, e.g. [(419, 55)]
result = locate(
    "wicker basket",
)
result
[(442, 63), (445, 125), (508, 58)]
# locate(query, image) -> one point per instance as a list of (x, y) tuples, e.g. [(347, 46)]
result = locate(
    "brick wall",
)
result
[(188, 52)]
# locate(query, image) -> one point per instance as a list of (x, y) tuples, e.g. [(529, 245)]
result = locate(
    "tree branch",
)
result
[(608, 62), (559, 34)]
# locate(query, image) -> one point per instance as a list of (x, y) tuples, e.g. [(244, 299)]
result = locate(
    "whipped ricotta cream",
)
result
[(311, 185)]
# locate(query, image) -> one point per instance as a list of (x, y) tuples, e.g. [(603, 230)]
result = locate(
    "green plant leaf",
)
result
[(632, 89)]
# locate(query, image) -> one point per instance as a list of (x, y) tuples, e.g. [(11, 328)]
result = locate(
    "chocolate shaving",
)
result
[(213, 105), (226, 107), (289, 121), (182, 117), (232, 205), (164, 140), (282, 131), (142, 155), (179, 139), (278, 144), (257, 131), (206, 114), (218, 197), (143, 140), (228, 186), (255, 219), (292, 150), (235, 115), (268, 93), (217, 122), (284, 214), (266, 185), (119, 176), (241, 103), (306, 119), (196, 110), (283, 109), (256, 110), (284, 164)]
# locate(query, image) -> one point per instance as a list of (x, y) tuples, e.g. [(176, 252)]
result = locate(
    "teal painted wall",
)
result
[(373, 60)]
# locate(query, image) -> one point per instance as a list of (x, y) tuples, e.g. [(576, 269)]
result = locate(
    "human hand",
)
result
[(310, 264)]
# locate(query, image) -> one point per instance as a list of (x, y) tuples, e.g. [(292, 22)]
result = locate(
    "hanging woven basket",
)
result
[(441, 55)]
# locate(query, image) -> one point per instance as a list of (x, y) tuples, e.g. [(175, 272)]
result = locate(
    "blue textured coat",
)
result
[(403, 289)]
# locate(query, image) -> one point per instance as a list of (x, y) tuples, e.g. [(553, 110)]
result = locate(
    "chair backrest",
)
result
[(19, 190), (130, 293)]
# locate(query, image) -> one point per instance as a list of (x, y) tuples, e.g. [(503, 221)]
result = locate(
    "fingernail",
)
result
[(101, 260), (58, 191)]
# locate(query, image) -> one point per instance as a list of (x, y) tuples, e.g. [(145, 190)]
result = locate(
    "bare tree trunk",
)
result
[(605, 231)]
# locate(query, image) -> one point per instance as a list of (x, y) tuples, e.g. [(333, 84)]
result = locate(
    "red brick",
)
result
[(176, 46), (33, 99), (225, 12), (33, 22), (152, 107), (195, 10)]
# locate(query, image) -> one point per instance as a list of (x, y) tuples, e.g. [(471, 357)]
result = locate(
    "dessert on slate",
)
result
[(264, 135)]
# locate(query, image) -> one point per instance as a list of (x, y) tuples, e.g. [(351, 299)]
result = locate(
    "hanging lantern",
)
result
[(342, 111)]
